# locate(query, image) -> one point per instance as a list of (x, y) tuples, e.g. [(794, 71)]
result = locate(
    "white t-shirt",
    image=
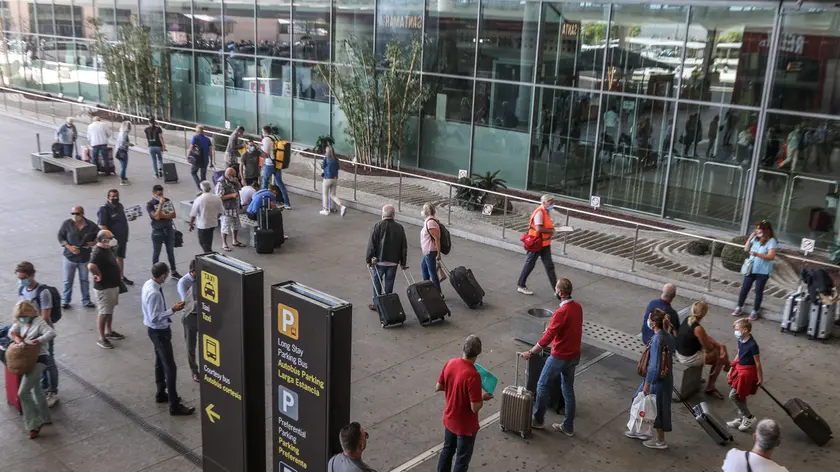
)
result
[(268, 150), (246, 195), (207, 209), (735, 461)]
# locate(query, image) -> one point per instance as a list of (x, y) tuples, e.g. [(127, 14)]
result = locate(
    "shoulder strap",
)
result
[(747, 459)]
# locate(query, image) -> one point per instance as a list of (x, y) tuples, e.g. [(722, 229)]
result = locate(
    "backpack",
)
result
[(281, 150), (55, 313), (445, 238), (57, 149)]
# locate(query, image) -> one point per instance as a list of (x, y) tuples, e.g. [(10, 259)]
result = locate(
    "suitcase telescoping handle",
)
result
[(774, 399), (683, 400), (373, 271), (408, 273)]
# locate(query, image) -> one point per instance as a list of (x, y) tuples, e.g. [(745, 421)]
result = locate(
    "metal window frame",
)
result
[(598, 141)]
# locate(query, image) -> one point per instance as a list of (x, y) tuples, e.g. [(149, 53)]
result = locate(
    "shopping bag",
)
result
[(441, 272), (642, 414)]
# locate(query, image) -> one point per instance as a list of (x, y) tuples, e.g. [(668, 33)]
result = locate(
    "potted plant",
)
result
[(491, 181), (323, 141)]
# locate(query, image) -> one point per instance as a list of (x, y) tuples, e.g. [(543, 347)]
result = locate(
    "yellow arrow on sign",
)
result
[(212, 414)]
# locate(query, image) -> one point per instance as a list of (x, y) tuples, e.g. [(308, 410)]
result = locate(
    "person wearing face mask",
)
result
[(249, 166), (106, 284), (189, 317), (30, 328), (564, 334), (762, 248), (540, 225), (745, 374), (669, 292), (353, 440), (77, 236), (158, 318), (112, 218), (162, 213), (228, 190)]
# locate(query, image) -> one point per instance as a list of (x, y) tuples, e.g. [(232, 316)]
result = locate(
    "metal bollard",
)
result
[(38, 140), (399, 195), (314, 178), (635, 244), (711, 267), (449, 207), (355, 179), (504, 219), (566, 234)]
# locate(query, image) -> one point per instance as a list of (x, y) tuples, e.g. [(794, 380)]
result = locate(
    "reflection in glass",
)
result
[(311, 104), (179, 23), (126, 13), (152, 16), (41, 17), (450, 37), (353, 19), (274, 95), (182, 80), (401, 20), (68, 19), (572, 36), (239, 27), (445, 138), (500, 140), (106, 15), (311, 31), (273, 28), (211, 78), (207, 23), (241, 93), (507, 42)]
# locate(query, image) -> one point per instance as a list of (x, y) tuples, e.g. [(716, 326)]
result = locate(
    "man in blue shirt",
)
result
[(189, 318), (200, 154), (669, 292), (157, 319), (260, 198)]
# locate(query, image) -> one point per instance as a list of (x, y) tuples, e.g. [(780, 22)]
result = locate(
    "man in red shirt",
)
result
[(564, 333), (462, 385)]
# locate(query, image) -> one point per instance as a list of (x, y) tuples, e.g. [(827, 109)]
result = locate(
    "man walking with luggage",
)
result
[(387, 248), (77, 236), (204, 215), (767, 436), (564, 334), (461, 383), (161, 211), (228, 190), (540, 227), (112, 218), (669, 292)]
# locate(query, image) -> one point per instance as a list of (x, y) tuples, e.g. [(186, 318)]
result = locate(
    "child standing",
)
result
[(745, 375)]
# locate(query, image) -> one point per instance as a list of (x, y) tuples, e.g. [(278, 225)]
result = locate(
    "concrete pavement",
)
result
[(108, 420)]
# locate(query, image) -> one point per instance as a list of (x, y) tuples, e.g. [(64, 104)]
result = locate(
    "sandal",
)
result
[(714, 393), (226, 248), (238, 244)]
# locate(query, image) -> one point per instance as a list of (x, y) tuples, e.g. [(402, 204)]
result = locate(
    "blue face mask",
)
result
[(25, 282), (25, 319), (549, 207), (739, 335)]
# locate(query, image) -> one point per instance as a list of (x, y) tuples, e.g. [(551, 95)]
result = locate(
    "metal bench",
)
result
[(83, 172)]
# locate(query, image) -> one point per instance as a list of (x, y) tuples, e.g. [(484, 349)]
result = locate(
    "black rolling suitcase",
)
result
[(710, 423), (105, 164), (425, 300), (388, 305), (274, 221), (170, 173), (806, 418), (533, 370), (263, 235), (463, 281)]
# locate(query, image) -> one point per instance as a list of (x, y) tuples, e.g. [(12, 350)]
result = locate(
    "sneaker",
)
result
[(560, 429), (123, 182), (127, 282), (195, 377), (753, 315), (52, 399), (747, 424), (524, 291), (324, 212), (736, 311), (343, 210), (115, 335), (655, 444), (175, 275), (89, 305), (287, 207), (736, 423), (65, 306), (537, 425), (105, 344), (181, 410), (633, 435)]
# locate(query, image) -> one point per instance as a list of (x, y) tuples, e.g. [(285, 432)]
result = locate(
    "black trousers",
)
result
[(165, 369), (531, 262), (205, 239)]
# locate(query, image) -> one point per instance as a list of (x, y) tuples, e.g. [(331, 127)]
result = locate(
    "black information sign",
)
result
[(230, 337), (311, 344)]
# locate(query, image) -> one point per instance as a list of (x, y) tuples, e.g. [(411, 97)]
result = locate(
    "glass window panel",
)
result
[(573, 36), (179, 23), (241, 93), (398, 19), (311, 105), (105, 13), (68, 19), (211, 77), (239, 26), (152, 15), (311, 31), (41, 12), (10, 18), (709, 175), (273, 28), (207, 24), (508, 40), (127, 12), (182, 82), (646, 46), (450, 37), (274, 94), (807, 76), (53, 51), (445, 137), (500, 140), (563, 149), (353, 19)]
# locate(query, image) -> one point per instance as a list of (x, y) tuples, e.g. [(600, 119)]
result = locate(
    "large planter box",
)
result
[(529, 326)]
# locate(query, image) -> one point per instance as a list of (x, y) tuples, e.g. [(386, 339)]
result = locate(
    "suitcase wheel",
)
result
[(502, 427), (524, 436), (382, 324)]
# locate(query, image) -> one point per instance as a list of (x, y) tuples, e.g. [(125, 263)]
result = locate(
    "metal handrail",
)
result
[(401, 174)]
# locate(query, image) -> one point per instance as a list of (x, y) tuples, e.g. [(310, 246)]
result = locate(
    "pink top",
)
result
[(430, 230)]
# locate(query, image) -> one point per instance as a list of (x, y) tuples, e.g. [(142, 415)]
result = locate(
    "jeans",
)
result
[(760, 281), (162, 237), (190, 323), (67, 150), (33, 402), (205, 239), (429, 268), (49, 377), (268, 171), (165, 369), (157, 158), (70, 269), (461, 447), (388, 274), (566, 371), (199, 174), (123, 166), (100, 154), (531, 262)]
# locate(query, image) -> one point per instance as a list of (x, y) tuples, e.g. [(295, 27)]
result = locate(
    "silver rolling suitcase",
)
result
[(517, 408), (797, 313), (821, 321)]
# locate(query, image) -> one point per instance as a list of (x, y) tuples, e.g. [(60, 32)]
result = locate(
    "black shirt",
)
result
[(106, 261), (153, 134), (687, 342), (151, 209), (113, 217), (71, 234)]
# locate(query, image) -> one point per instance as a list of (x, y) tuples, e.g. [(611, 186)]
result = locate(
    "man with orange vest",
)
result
[(541, 226)]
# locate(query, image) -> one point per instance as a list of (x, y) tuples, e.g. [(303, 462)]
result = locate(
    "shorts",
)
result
[(696, 360), (230, 224), (121, 248), (107, 300)]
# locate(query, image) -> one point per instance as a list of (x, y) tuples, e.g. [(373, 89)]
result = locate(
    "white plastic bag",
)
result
[(642, 415)]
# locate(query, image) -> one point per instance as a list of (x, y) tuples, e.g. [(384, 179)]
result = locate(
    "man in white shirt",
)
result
[(204, 215), (767, 437), (98, 134), (247, 194)]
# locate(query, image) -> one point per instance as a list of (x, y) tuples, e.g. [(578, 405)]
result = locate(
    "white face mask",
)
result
[(112, 243), (422, 213), (651, 325), (739, 335), (759, 234)]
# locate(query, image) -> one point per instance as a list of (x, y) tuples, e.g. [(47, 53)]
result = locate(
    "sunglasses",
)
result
[(76, 214)]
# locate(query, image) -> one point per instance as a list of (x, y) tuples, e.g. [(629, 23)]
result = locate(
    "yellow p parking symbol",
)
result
[(287, 321)]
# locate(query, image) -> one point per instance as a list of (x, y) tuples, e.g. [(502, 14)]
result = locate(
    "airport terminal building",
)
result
[(708, 113)]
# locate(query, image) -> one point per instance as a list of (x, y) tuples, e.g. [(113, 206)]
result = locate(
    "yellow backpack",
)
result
[(282, 149)]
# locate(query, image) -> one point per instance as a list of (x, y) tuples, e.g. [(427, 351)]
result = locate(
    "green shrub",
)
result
[(733, 257), (698, 247)]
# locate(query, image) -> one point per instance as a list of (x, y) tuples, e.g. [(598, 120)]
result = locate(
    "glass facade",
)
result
[(703, 112)]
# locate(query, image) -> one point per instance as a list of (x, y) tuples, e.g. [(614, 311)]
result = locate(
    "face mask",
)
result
[(651, 325), (112, 243), (252, 149), (159, 197), (115, 200), (25, 282), (759, 234), (422, 213), (25, 319), (549, 207), (739, 335)]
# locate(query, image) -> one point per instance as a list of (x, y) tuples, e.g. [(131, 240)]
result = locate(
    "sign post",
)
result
[(311, 350), (807, 246), (230, 339)]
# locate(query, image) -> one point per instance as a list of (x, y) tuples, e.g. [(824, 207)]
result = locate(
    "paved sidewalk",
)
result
[(393, 371)]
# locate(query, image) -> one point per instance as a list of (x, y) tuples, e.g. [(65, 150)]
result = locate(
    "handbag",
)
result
[(531, 243), (664, 363), (22, 357), (178, 239), (746, 267), (441, 271), (123, 288)]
